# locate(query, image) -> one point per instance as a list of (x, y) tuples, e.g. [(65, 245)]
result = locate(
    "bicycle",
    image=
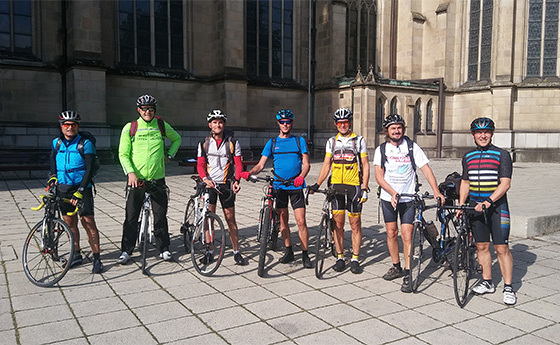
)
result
[(145, 226), (465, 262), (201, 236), (325, 239), (269, 220), (53, 240), (417, 240)]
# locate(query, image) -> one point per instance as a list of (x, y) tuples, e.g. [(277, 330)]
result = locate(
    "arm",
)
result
[(305, 166), (175, 138), (259, 167), (125, 156), (88, 175), (429, 174), (52, 162), (365, 172), (238, 170), (380, 179), (464, 191), (325, 169)]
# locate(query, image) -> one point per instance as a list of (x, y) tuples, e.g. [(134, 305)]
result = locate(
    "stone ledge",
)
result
[(526, 227)]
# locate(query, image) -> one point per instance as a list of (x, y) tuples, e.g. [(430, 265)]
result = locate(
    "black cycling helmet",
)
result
[(215, 115), (146, 100), (482, 123), (69, 115), (343, 114), (391, 119), (285, 114)]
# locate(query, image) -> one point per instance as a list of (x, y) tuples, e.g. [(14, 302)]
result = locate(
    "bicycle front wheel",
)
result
[(208, 245), (144, 241), (47, 252), (322, 245), (461, 269), (265, 230), (415, 257), (187, 229)]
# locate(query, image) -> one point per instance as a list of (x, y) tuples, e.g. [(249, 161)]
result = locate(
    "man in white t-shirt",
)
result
[(395, 173)]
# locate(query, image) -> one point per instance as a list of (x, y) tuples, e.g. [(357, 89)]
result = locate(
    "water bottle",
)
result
[(432, 234)]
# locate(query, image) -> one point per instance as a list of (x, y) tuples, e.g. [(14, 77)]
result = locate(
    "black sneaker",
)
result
[(306, 261), (97, 267), (393, 273), (208, 258), (405, 287), (355, 267), (76, 260), (287, 257), (239, 259), (339, 265)]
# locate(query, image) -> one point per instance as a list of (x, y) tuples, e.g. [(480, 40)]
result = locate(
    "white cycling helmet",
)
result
[(215, 115), (69, 115), (146, 100)]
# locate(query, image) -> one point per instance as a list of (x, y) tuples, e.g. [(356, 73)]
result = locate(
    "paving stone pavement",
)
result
[(176, 305)]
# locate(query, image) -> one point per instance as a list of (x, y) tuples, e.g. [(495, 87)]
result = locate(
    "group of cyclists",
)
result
[(486, 178)]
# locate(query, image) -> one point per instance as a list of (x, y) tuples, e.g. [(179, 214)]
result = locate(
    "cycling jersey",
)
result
[(287, 159), (398, 168), (216, 164), (144, 153), (483, 168), (346, 153), (70, 165)]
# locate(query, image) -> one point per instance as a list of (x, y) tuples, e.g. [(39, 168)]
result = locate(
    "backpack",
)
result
[(354, 151), (450, 186), (410, 145), (273, 145), (160, 124), (228, 137), (83, 136)]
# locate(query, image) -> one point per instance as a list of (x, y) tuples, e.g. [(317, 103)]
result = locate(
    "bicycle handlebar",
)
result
[(329, 192), (269, 179), (66, 200)]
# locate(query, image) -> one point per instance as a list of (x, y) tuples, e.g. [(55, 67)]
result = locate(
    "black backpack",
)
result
[(410, 145), (451, 186), (84, 135)]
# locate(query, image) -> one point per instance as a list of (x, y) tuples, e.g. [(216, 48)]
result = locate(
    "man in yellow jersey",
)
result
[(346, 153)]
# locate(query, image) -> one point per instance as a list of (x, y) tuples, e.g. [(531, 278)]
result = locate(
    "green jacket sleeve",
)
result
[(175, 138), (125, 150)]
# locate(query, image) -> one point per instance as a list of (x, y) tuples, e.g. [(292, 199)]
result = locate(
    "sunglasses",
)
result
[(151, 109), (69, 125), (342, 123), (284, 122)]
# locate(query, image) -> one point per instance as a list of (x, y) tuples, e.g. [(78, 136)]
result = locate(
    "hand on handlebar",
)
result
[(245, 175), (76, 197), (395, 200), (313, 188), (51, 182)]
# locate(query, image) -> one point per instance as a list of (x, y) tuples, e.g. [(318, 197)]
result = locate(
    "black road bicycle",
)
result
[(325, 237), (49, 246)]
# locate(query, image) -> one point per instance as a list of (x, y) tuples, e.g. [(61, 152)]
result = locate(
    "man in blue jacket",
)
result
[(72, 161)]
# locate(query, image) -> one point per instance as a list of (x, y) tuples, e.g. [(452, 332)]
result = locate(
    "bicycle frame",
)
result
[(146, 207)]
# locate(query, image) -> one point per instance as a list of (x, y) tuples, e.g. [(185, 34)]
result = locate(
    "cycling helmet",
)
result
[(69, 115), (146, 100), (482, 123), (392, 119), (284, 114), (343, 114), (216, 114)]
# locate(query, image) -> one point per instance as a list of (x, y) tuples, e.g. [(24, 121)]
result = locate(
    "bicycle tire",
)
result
[(46, 265), (187, 229), (274, 233), (415, 256), (321, 245), (265, 229), (461, 269), (207, 253), (144, 228)]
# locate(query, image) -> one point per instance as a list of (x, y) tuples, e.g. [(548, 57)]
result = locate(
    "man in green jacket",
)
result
[(142, 156)]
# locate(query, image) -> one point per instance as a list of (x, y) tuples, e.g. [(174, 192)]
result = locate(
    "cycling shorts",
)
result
[(405, 211), (497, 225), (347, 197), (227, 198), (296, 198), (87, 202)]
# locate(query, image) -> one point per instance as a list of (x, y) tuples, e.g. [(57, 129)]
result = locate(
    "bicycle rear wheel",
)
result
[(322, 245), (187, 229), (208, 245), (46, 258), (461, 269), (265, 230), (144, 241), (415, 257)]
